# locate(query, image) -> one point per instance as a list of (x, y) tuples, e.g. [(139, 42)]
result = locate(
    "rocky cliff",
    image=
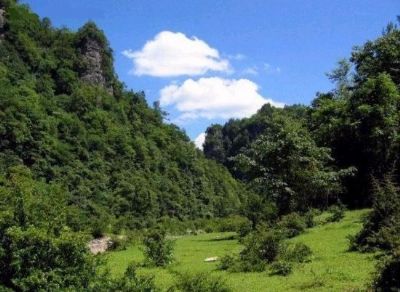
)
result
[(95, 57), (92, 58)]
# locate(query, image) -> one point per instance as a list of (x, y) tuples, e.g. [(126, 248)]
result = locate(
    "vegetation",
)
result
[(201, 282), (81, 156), (387, 278), (344, 148), (90, 139), (158, 249), (382, 226), (332, 268)]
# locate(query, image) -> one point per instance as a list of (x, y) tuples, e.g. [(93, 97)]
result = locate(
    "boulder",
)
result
[(100, 245)]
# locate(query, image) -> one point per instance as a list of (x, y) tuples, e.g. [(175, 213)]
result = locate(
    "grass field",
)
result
[(333, 267)]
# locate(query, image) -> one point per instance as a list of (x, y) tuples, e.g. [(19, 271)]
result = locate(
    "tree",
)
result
[(285, 165), (158, 249)]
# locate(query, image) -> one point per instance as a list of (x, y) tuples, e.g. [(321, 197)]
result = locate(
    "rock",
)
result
[(212, 259), (92, 56), (100, 245)]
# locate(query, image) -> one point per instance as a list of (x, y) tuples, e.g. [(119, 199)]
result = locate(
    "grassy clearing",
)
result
[(333, 268)]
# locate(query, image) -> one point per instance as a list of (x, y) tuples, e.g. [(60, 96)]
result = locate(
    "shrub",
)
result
[(130, 281), (388, 277), (158, 250), (232, 223), (228, 263), (33, 259), (98, 228), (201, 282), (281, 268), (293, 224), (382, 226), (261, 247), (208, 230), (244, 228), (337, 213), (297, 252), (309, 218), (119, 242)]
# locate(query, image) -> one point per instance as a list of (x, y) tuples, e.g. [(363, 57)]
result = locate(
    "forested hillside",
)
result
[(82, 156), (67, 122), (352, 130)]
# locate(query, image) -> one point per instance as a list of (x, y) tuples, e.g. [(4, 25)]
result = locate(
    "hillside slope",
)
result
[(67, 120)]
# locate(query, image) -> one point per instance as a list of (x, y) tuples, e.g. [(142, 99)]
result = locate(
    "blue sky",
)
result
[(209, 60)]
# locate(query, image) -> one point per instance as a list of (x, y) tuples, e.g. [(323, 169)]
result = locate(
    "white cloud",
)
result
[(214, 97), (174, 54), (199, 141)]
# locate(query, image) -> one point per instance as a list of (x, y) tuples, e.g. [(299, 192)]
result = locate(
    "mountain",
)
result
[(67, 121)]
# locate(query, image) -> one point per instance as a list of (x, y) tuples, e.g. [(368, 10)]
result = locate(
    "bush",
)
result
[(281, 268), (337, 213), (228, 263), (119, 242), (388, 277), (293, 224), (130, 281), (98, 228), (233, 223), (244, 228), (201, 282), (32, 259), (298, 252), (158, 250), (309, 218), (261, 248), (382, 227)]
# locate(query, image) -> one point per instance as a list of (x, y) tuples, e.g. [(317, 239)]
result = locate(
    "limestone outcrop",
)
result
[(92, 57)]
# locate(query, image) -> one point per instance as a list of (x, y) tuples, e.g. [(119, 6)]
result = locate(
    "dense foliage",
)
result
[(382, 226), (79, 153), (158, 249), (302, 156), (200, 282), (387, 278), (119, 165)]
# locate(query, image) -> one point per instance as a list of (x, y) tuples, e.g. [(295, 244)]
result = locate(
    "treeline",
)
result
[(327, 151), (342, 149)]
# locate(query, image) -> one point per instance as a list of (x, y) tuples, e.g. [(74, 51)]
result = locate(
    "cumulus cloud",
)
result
[(214, 97), (199, 141), (172, 54)]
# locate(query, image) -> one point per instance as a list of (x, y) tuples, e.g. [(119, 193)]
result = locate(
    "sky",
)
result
[(207, 61)]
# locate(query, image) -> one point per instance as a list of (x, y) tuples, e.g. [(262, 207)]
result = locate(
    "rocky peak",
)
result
[(92, 57), (96, 56)]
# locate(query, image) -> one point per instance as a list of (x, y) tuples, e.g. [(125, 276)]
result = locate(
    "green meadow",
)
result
[(333, 267)]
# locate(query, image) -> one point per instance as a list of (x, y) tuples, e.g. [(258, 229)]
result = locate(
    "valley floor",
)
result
[(333, 267)]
